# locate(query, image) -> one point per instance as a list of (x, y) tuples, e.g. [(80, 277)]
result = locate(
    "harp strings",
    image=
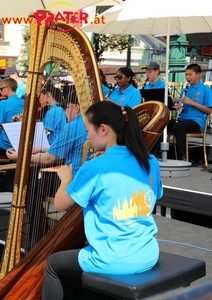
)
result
[(40, 213)]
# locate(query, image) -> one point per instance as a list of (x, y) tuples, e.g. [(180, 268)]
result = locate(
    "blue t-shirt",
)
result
[(118, 197), (69, 143), (159, 84), (21, 90), (128, 97), (201, 94), (105, 89), (9, 108), (54, 120)]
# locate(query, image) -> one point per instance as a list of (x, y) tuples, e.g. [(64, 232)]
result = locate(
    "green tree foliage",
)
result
[(23, 60), (112, 42)]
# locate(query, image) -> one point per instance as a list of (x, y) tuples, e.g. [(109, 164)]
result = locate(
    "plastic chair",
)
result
[(175, 89), (201, 135)]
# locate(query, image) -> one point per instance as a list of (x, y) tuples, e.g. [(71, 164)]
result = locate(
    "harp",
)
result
[(21, 278)]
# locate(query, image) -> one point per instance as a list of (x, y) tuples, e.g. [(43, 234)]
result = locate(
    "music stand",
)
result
[(158, 95)]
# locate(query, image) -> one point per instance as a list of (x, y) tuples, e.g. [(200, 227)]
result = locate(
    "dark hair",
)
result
[(157, 70), (55, 92), (128, 132), (12, 83), (195, 67), (129, 73), (103, 78), (72, 96)]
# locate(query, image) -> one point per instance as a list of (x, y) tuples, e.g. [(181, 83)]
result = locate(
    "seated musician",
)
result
[(13, 105), (8, 108), (152, 76), (55, 118), (197, 103), (126, 92), (68, 143), (13, 73), (153, 82), (118, 191)]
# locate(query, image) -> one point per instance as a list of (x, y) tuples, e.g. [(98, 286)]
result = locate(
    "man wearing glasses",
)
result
[(9, 108), (12, 72)]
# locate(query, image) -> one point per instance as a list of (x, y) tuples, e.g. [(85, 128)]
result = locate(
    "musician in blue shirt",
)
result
[(126, 93), (12, 72), (68, 145), (117, 202), (55, 117), (197, 104), (152, 76), (10, 107), (153, 82)]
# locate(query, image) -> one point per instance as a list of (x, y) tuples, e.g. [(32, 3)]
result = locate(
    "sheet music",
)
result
[(13, 132)]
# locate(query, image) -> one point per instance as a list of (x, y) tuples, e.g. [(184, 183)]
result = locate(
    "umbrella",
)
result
[(157, 18), (22, 8)]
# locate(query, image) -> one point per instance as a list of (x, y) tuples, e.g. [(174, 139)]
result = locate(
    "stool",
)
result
[(171, 272), (200, 292)]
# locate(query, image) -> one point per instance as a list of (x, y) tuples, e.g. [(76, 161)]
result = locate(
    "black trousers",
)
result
[(180, 129), (6, 179), (2, 152), (62, 279)]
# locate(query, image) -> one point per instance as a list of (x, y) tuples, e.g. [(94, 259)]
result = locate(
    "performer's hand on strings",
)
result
[(12, 154), (65, 173), (98, 153), (16, 119), (62, 200)]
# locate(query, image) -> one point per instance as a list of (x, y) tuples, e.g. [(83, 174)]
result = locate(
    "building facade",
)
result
[(10, 44)]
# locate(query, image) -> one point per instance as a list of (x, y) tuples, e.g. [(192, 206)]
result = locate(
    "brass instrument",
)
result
[(22, 278)]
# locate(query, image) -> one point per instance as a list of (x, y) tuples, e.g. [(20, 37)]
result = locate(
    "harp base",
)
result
[(174, 168)]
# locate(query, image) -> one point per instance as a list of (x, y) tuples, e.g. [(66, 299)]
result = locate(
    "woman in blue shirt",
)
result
[(55, 117), (126, 92), (117, 200)]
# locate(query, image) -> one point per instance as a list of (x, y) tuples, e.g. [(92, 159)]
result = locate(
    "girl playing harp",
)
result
[(118, 191), (55, 118), (68, 145)]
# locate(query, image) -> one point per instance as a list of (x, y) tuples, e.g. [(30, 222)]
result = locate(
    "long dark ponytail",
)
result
[(128, 132)]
